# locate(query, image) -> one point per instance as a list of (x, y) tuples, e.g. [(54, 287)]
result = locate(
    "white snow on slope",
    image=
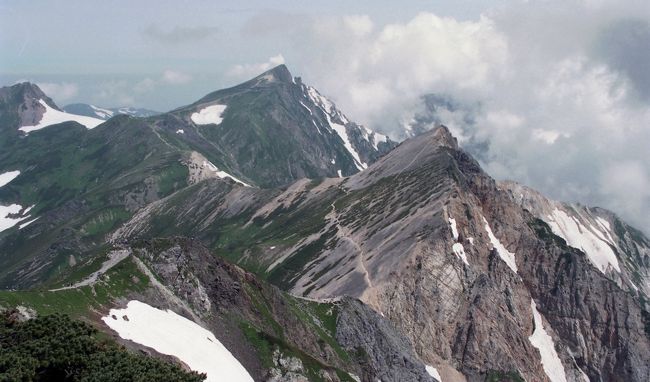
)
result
[(6, 221), (459, 251), (340, 130), (373, 137), (209, 115), (101, 113), (7, 177), (180, 131), (505, 255), (433, 372), (53, 116), (454, 228), (171, 334), (25, 224), (330, 110), (544, 343), (223, 174), (592, 241)]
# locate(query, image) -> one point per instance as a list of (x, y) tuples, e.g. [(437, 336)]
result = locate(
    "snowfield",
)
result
[(7, 216), (7, 177), (53, 117), (505, 255), (433, 372), (171, 334), (544, 343), (209, 115), (595, 243)]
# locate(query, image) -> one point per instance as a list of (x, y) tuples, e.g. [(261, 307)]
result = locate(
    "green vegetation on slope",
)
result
[(78, 302), (57, 348)]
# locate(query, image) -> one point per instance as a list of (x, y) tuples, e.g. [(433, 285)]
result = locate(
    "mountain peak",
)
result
[(27, 90), (279, 73), (443, 137)]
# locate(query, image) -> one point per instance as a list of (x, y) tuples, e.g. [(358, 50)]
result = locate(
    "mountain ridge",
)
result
[(473, 274)]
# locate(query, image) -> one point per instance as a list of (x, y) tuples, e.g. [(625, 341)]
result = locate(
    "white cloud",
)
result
[(531, 98), (60, 92), (244, 71), (389, 69), (175, 77)]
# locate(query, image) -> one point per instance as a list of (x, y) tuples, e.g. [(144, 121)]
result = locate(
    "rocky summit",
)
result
[(303, 246)]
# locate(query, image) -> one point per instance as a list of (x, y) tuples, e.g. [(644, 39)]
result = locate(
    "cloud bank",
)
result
[(554, 95)]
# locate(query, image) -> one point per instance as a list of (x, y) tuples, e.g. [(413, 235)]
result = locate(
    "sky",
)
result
[(554, 94)]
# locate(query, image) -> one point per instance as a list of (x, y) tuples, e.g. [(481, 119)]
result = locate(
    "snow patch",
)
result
[(306, 107), (7, 177), (23, 225), (505, 255), (433, 372), (330, 111), (171, 334), (459, 250), (341, 131), (544, 343), (223, 174), (209, 115), (589, 240), (53, 117), (180, 131), (101, 113), (454, 229), (6, 213), (340, 173)]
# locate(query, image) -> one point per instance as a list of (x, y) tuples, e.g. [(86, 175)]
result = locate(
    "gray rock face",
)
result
[(386, 355), (19, 106), (217, 295), (619, 251), (431, 242)]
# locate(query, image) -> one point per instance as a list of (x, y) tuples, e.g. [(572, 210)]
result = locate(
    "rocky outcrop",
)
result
[(305, 338)]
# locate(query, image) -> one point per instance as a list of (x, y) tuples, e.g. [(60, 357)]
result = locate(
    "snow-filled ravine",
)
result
[(53, 117), (544, 343), (595, 242), (505, 255), (330, 110), (209, 115), (171, 334), (222, 174), (433, 372)]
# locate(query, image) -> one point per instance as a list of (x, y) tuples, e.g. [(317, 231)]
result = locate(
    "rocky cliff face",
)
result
[(478, 284), (277, 337), (619, 251), (19, 106)]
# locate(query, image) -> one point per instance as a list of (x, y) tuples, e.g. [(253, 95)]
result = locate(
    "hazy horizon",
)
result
[(553, 94)]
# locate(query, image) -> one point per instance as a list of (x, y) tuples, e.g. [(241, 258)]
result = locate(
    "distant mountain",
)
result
[(311, 247), (106, 113)]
